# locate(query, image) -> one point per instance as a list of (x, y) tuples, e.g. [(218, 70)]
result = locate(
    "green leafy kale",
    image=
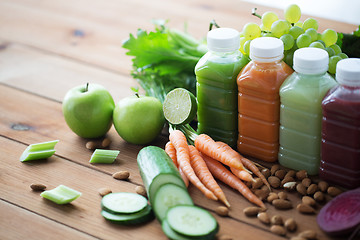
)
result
[(164, 59), (350, 43)]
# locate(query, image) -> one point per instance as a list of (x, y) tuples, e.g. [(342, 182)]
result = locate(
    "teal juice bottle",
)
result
[(216, 87), (300, 110)]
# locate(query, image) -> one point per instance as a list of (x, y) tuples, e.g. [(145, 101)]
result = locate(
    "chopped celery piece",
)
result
[(104, 156), (61, 194), (38, 151)]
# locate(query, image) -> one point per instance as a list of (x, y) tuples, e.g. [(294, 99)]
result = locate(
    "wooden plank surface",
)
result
[(47, 47)]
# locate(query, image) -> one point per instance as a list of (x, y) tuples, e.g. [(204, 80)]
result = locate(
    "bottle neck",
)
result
[(224, 54), (312, 75)]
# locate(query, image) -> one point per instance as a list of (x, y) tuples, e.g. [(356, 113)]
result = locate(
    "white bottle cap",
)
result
[(348, 72), (311, 60), (223, 40), (266, 49)]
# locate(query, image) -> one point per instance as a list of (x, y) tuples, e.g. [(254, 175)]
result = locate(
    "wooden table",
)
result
[(48, 47)]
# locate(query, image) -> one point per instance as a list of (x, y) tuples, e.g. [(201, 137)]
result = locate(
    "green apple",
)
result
[(139, 119), (88, 110)]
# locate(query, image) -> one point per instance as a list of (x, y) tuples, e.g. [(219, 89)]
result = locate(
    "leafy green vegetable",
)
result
[(350, 43), (164, 59)]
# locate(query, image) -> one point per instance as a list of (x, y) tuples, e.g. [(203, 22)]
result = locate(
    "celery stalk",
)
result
[(104, 156), (61, 194), (38, 151)]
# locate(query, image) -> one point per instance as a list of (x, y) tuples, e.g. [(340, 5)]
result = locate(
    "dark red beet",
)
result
[(341, 215)]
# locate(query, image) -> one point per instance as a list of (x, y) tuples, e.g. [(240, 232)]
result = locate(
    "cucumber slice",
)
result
[(157, 168), (171, 234), (123, 203), (167, 196), (192, 221), (144, 215)]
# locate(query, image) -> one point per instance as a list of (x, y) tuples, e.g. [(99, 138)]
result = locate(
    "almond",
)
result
[(282, 204), (121, 175), (323, 186), (306, 182), (301, 189), (308, 201), (278, 230), (283, 195), (91, 145), (263, 217), (280, 173), (276, 220), (312, 189), (222, 211), (297, 238), (319, 196), (308, 234), (265, 172), (105, 142), (252, 211), (290, 173), (286, 180), (141, 191), (333, 191), (274, 181), (37, 187), (104, 191), (289, 186), (272, 196), (300, 175), (257, 183), (290, 224), (274, 168), (304, 208), (262, 193)]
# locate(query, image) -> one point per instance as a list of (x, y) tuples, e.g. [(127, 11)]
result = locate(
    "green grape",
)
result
[(251, 31), (279, 28), (310, 23), (242, 42), (267, 34), (268, 18), (343, 55), (330, 51), (319, 36), (288, 41), (303, 40), (299, 24), (317, 45), (336, 48), (322, 42), (332, 63), (289, 57), (329, 37), (296, 31), (292, 13), (312, 33), (247, 47)]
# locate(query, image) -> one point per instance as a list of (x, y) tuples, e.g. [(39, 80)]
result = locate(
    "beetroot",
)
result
[(341, 215)]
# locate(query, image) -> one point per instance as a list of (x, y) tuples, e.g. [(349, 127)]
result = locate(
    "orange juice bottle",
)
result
[(258, 101)]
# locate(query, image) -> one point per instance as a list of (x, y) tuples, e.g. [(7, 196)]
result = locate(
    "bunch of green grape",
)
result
[(294, 34)]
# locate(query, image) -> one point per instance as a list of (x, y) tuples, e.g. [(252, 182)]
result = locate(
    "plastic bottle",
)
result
[(340, 158), (300, 112), (258, 87), (216, 89)]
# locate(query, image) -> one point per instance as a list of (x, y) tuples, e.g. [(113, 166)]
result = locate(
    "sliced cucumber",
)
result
[(167, 196), (144, 215), (157, 168), (192, 221), (123, 203), (171, 234)]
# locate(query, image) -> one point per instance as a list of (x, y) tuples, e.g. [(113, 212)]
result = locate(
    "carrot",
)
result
[(205, 176), (220, 172), (243, 175), (206, 145), (171, 151), (246, 162), (178, 139)]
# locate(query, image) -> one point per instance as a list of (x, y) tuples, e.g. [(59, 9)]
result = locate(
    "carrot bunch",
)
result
[(200, 164)]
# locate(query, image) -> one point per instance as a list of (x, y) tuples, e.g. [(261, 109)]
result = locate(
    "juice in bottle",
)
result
[(258, 95), (340, 153), (300, 112), (216, 89)]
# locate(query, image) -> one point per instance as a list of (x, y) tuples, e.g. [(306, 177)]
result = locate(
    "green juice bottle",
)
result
[(300, 111), (216, 87)]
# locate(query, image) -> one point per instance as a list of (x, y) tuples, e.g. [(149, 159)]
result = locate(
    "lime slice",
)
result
[(179, 106)]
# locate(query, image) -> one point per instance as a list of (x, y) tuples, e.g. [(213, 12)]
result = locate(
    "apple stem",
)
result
[(137, 94), (87, 87)]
